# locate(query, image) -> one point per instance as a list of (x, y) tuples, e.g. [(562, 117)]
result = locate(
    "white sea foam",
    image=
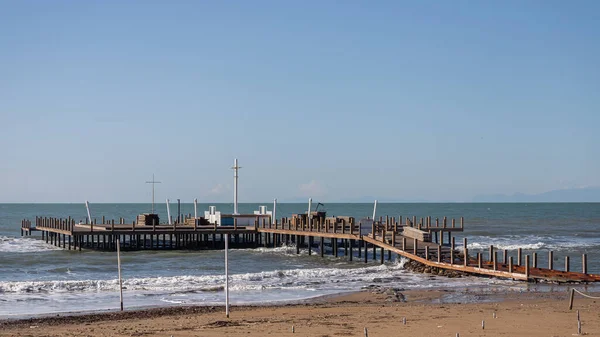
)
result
[(532, 242), (23, 245), (306, 279)]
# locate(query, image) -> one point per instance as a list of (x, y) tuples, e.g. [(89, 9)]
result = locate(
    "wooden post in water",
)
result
[(351, 244), (505, 256), (550, 260), (510, 264), (465, 252), (322, 246), (534, 260), (584, 263), (359, 244), (495, 260), (427, 253), (366, 252), (491, 252), (439, 254), (479, 260), (374, 252), (452, 247), (415, 246), (519, 257), (527, 266), (566, 263)]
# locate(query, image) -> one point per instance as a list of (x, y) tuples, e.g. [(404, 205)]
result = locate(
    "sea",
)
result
[(39, 279)]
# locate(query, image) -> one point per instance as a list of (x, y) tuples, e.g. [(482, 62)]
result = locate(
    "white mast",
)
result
[(87, 206), (374, 210), (235, 186), (274, 220), (168, 212), (308, 216)]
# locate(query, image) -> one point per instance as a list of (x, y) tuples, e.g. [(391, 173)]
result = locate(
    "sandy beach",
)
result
[(525, 314)]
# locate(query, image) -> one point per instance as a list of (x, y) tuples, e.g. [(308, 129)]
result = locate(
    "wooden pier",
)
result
[(429, 242)]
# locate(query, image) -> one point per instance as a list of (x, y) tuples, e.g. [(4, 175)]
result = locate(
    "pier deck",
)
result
[(422, 242)]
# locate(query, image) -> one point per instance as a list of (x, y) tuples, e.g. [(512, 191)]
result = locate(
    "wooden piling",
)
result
[(584, 263), (415, 246), (452, 247), (465, 253), (350, 248), (322, 246), (550, 260), (566, 263), (527, 266)]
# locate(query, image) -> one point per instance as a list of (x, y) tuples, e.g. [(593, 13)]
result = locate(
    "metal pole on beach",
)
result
[(227, 275), (118, 238)]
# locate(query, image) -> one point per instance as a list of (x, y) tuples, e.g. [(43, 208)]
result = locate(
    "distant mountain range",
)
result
[(588, 194)]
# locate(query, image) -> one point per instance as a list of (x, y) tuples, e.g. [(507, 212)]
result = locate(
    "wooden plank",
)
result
[(448, 266)]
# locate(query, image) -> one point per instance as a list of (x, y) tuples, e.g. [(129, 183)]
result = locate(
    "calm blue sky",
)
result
[(399, 100)]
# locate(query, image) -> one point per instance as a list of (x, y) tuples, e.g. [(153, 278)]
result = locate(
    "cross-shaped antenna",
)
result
[(236, 169), (153, 182)]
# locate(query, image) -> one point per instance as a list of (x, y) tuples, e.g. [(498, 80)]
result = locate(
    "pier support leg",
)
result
[(359, 249), (366, 252), (374, 253), (297, 245), (335, 247), (382, 255), (345, 247), (351, 244), (322, 246)]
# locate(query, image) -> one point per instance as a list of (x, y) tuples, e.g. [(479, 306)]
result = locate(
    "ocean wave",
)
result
[(23, 245), (210, 283), (532, 242)]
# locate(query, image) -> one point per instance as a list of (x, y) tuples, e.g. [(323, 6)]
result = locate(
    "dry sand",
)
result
[(527, 314)]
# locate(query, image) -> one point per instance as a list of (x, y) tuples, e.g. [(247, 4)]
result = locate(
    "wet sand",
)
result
[(517, 314)]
